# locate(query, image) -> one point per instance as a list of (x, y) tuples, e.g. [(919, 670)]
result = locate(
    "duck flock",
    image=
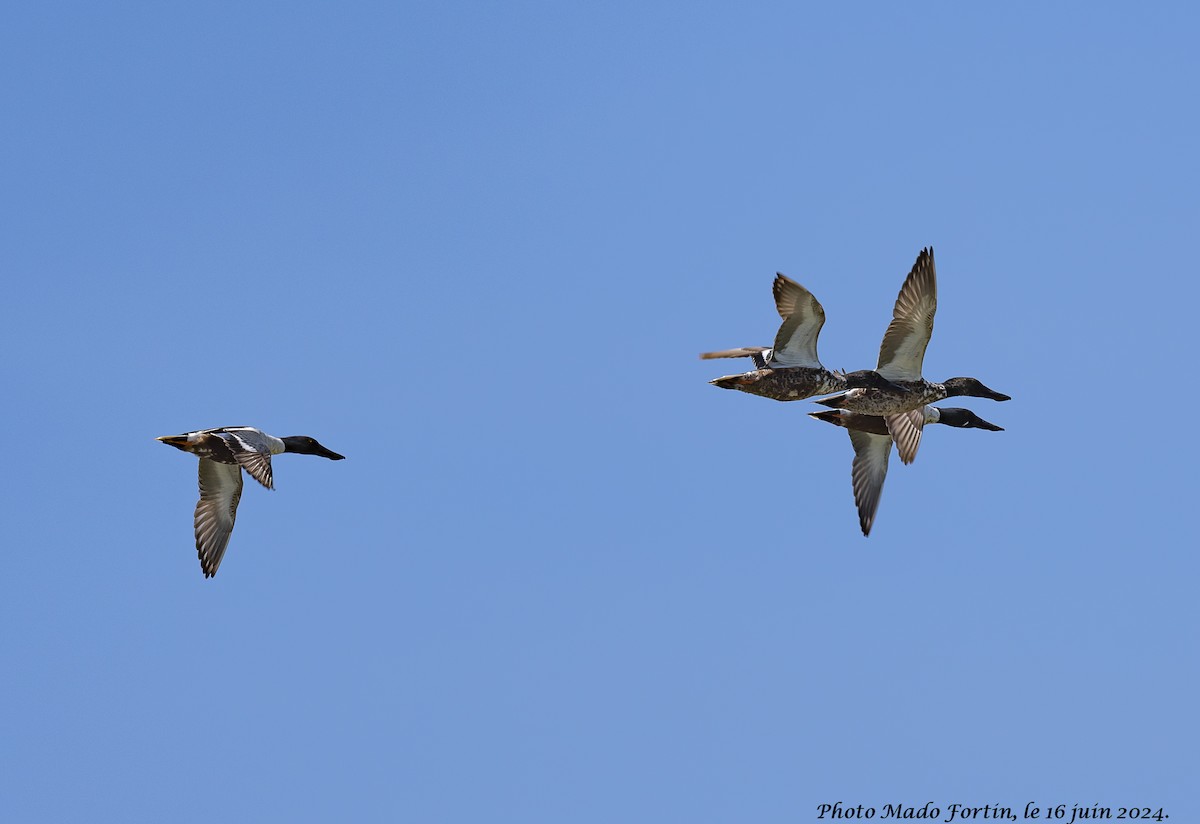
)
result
[(878, 407), (890, 404)]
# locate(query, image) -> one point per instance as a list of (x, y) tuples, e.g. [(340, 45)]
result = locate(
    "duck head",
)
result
[(308, 446), (965, 419), (972, 388)]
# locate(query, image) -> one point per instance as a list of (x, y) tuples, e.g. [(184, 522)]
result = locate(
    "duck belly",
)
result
[(881, 402), (788, 384)]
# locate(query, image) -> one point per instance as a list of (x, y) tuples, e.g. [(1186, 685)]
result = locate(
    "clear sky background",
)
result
[(476, 248)]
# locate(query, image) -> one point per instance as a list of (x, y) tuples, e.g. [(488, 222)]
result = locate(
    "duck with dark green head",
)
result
[(901, 355), (224, 452)]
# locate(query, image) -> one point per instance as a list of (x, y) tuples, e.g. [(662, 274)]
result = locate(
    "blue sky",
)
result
[(476, 249)]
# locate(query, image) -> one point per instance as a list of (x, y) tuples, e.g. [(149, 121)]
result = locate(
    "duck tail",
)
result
[(833, 416), (731, 381), (177, 441), (836, 402)]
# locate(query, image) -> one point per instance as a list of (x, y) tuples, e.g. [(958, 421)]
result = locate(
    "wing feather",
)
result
[(252, 451), (803, 317), (216, 512), (868, 473), (743, 352), (259, 467), (905, 429), (903, 349)]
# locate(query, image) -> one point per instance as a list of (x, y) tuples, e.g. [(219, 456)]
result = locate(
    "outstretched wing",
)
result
[(903, 349), (803, 317), (216, 511), (905, 429), (868, 473)]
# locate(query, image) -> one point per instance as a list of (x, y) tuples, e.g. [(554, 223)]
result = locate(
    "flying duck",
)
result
[(224, 453), (872, 445), (900, 358), (790, 370)]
